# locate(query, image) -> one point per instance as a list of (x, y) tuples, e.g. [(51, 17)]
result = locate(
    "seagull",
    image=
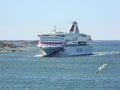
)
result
[(101, 68)]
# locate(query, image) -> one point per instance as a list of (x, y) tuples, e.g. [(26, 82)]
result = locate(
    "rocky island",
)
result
[(15, 46)]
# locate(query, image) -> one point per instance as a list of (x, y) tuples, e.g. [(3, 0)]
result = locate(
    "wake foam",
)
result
[(105, 53), (39, 55)]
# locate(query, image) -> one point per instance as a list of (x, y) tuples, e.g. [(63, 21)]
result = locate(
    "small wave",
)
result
[(105, 53), (39, 55), (98, 54)]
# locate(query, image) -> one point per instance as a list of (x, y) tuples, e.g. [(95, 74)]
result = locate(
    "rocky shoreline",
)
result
[(16, 46)]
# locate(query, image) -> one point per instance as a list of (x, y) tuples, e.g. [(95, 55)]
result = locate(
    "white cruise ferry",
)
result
[(65, 44)]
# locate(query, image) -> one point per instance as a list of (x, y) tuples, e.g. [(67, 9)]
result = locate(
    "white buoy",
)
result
[(101, 68)]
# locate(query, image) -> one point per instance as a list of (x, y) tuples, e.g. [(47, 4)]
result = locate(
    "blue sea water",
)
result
[(28, 71)]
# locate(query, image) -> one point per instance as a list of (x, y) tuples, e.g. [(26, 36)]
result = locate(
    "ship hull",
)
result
[(49, 51), (67, 51), (76, 51)]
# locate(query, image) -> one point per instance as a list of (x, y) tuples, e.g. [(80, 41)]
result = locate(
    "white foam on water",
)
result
[(105, 53), (98, 54), (39, 55)]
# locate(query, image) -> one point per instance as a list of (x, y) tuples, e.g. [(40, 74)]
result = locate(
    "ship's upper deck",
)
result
[(73, 35)]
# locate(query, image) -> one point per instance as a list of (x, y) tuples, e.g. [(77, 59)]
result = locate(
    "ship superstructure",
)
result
[(65, 44)]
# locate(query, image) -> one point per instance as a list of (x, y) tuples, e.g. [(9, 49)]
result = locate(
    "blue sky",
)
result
[(24, 19)]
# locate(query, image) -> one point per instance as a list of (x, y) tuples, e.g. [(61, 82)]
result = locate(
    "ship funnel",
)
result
[(74, 28)]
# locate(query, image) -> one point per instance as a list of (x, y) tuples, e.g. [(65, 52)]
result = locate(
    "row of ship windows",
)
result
[(49, 45), (49, 40), (51, 37)]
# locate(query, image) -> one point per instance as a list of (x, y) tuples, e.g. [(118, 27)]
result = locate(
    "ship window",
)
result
[(82, 43)]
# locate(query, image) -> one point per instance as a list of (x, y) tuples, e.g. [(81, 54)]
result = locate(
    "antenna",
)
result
[(54, 30)]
